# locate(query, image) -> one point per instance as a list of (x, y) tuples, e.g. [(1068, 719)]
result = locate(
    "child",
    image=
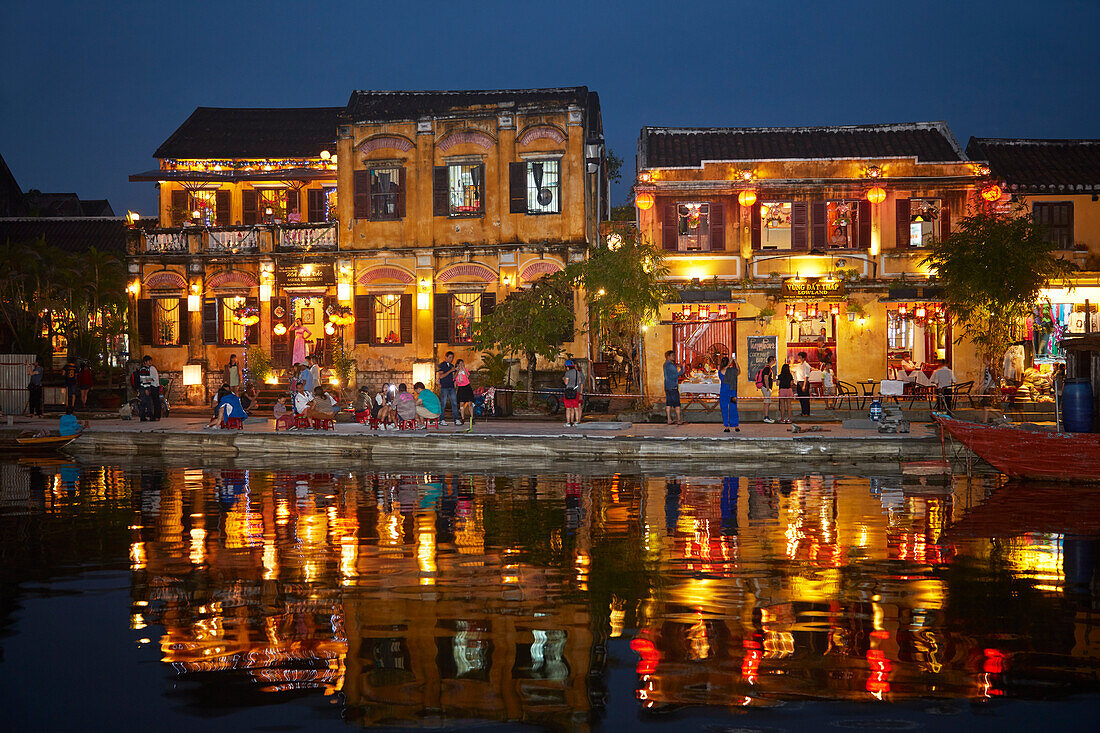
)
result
[(282, 414)]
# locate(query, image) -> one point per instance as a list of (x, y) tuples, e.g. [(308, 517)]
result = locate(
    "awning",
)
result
[(235, 176), (927, 294)]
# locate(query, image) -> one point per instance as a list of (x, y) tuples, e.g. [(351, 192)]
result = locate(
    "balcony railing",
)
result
[(306, 238), (166, 240), (232, 240)]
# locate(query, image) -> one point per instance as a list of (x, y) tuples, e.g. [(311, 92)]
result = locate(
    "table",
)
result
[(704, 394), (868, 387)]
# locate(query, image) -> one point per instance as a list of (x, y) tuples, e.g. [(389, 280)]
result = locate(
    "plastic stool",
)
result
[(233, 423), (407, 425), (324, 424)]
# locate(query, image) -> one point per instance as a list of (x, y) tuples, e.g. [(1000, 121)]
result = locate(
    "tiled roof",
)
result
[(235, 132), (107, 234), (374, 106), (1041, 165), (928, 142)]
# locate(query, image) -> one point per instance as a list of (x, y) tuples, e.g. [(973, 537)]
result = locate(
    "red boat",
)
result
[(1032, 454)]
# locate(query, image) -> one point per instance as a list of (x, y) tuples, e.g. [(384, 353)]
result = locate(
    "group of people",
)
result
[(78, 377), (395, 405)]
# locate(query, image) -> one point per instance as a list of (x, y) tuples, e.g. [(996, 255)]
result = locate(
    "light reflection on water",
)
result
[(420, 598)]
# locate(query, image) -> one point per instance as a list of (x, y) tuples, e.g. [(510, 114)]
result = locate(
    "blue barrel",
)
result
[(1077, 406)]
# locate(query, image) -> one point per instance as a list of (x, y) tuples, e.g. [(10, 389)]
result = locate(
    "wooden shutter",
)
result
[(717, 227), (254, 329), (669, 232), (819, 231), (406, 318), (800, 225), (901, 225), (441, 200), (185, 320), (250, 206), (145, 321), (517, 188), (364, 319), (863, 219), (360, 194), (223, 216), (179, 208), (293, 203), (945, 221), (401, 193), (754, 225), (488, 303), (441, 304), (315, 204), (210, 321)]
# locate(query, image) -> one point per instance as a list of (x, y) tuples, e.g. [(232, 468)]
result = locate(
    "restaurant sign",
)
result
[(812, 288), (307, 275)]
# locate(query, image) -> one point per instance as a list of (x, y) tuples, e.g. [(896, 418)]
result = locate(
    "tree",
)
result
[(534, 321), (993, 268), (624, 279)]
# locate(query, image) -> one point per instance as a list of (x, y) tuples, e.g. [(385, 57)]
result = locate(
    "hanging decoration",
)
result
[(644, 201), (876, 194), (992, 192), (746, 198)]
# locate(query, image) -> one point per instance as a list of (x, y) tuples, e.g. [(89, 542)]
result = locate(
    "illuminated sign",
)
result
[(306, 275), (812, 288)]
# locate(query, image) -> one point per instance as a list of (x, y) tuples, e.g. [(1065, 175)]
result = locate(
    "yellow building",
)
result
[(803, 239), (414, 212)]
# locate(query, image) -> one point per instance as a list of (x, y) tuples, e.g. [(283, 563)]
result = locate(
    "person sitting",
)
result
[(322, 407), (404, 404), (283, 418), (428, 406), (248, 395), (69, 425), (363, 404), (943, 379), (229, 407)]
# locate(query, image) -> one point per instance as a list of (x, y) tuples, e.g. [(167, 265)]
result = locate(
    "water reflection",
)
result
[(421, 598)]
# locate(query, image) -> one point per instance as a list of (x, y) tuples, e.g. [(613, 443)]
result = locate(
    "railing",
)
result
[(233, 239), (166, 240), (305, 237)]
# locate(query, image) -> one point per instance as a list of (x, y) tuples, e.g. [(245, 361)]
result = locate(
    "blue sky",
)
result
[(90, 90)]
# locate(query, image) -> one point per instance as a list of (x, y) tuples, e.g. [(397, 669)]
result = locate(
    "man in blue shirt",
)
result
[(427, 404), (445, 372), (672, 388), (70, 425)]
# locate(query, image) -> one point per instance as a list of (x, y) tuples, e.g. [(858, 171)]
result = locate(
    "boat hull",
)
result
[(1031, 454)]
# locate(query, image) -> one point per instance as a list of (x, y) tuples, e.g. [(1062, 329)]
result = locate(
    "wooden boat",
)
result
[(31, 442), (1033, 454)]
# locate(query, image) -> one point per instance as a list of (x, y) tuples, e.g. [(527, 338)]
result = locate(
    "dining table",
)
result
[(868, 387), (702, 393)]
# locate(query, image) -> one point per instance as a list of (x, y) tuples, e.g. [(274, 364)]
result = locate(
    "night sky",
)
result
[(90, 90)]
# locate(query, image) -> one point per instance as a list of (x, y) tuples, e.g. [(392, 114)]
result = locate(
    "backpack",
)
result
[(136, 375), (760, 377)]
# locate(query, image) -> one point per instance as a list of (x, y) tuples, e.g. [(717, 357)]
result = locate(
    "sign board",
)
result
[(812, 288), (306, 275), (759, 349)]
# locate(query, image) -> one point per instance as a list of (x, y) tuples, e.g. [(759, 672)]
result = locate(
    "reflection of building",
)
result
[(415, 210), (818, 232)]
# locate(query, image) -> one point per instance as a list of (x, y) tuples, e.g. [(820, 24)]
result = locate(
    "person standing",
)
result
[(35, 372), (765, 379), (69, 372), (150, 385), (233, 374), (728, 372), (85, 378), (314, 371), (672, 374), (299, 334), (464, 389), (786, 393), (802, 383), (571, 397), (306, 377), (445, 373)]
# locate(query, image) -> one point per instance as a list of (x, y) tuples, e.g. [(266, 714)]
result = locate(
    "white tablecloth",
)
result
[(699, 388)]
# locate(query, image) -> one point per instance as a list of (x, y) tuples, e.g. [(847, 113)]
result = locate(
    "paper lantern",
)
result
[(902, 309), (992, 192), (329, 328), (644, 201), (920, 311), (687, 311), (704, 311), (876, 194), (835, 309), (192, 374), (280, 329), (194, 303), (746, 198), (723, 311)]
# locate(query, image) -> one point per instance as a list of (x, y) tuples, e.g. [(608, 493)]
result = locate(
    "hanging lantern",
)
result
[(342, 316), (746, 198), (329, 328), (902, 309), (835, 309), (687, 311), (876, 194), (280, 329), (920, 312), (811, 311), (704, 312), (246, 316), (644, 201), (798, 316), (723, 311), (790, 311), (991, 192)]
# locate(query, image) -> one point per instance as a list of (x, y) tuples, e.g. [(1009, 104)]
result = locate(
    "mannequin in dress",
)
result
[(301, 333)]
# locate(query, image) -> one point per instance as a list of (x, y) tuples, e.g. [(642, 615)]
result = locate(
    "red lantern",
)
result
[(920, 312), (902, 309), (992, 192), (687, 311), (644, 201), (704, 312), (723, 311), (835, 309)]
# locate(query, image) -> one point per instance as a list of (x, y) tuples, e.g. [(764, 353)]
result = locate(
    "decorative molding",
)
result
[(232, 279), (385, 272), (385, 142), (538, 268), (423, 127), (472, 137), (165, 280), (541, 132), (467, 271)]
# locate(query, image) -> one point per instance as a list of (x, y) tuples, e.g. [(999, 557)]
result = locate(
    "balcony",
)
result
[(306, 238), (165, 241), (232, 240), (238, 239)]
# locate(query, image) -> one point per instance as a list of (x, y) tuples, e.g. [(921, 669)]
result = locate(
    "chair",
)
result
[(845, 391), (233, 423), (431, 422), (817, 389), (963, 390), (925, 392), (301, 423)]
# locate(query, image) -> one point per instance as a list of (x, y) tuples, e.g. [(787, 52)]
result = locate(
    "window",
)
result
[(775, 223), (899, 332), (465, 312), (387, 319), (1056, 220), (321, 204), (544, 187), (842, 224), (166, 321), (464, 188), (385, 189), (924, 221), (693, 227), (702, 344), (230, 331)]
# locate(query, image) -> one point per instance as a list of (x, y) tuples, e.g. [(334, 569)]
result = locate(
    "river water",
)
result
[(157, 597)]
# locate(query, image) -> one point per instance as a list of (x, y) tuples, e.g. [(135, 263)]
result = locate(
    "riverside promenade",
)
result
[(512, 442)]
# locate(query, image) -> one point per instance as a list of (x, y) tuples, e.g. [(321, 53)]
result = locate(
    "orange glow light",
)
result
[(746, 198), (992, 192), (876, 194), (644, 201)]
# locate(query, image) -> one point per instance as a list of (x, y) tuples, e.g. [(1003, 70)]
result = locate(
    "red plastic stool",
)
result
[(301, 423), (233, 423), (324, 424), (431, 422), (364, 418), (286, 421), (407, 425)]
